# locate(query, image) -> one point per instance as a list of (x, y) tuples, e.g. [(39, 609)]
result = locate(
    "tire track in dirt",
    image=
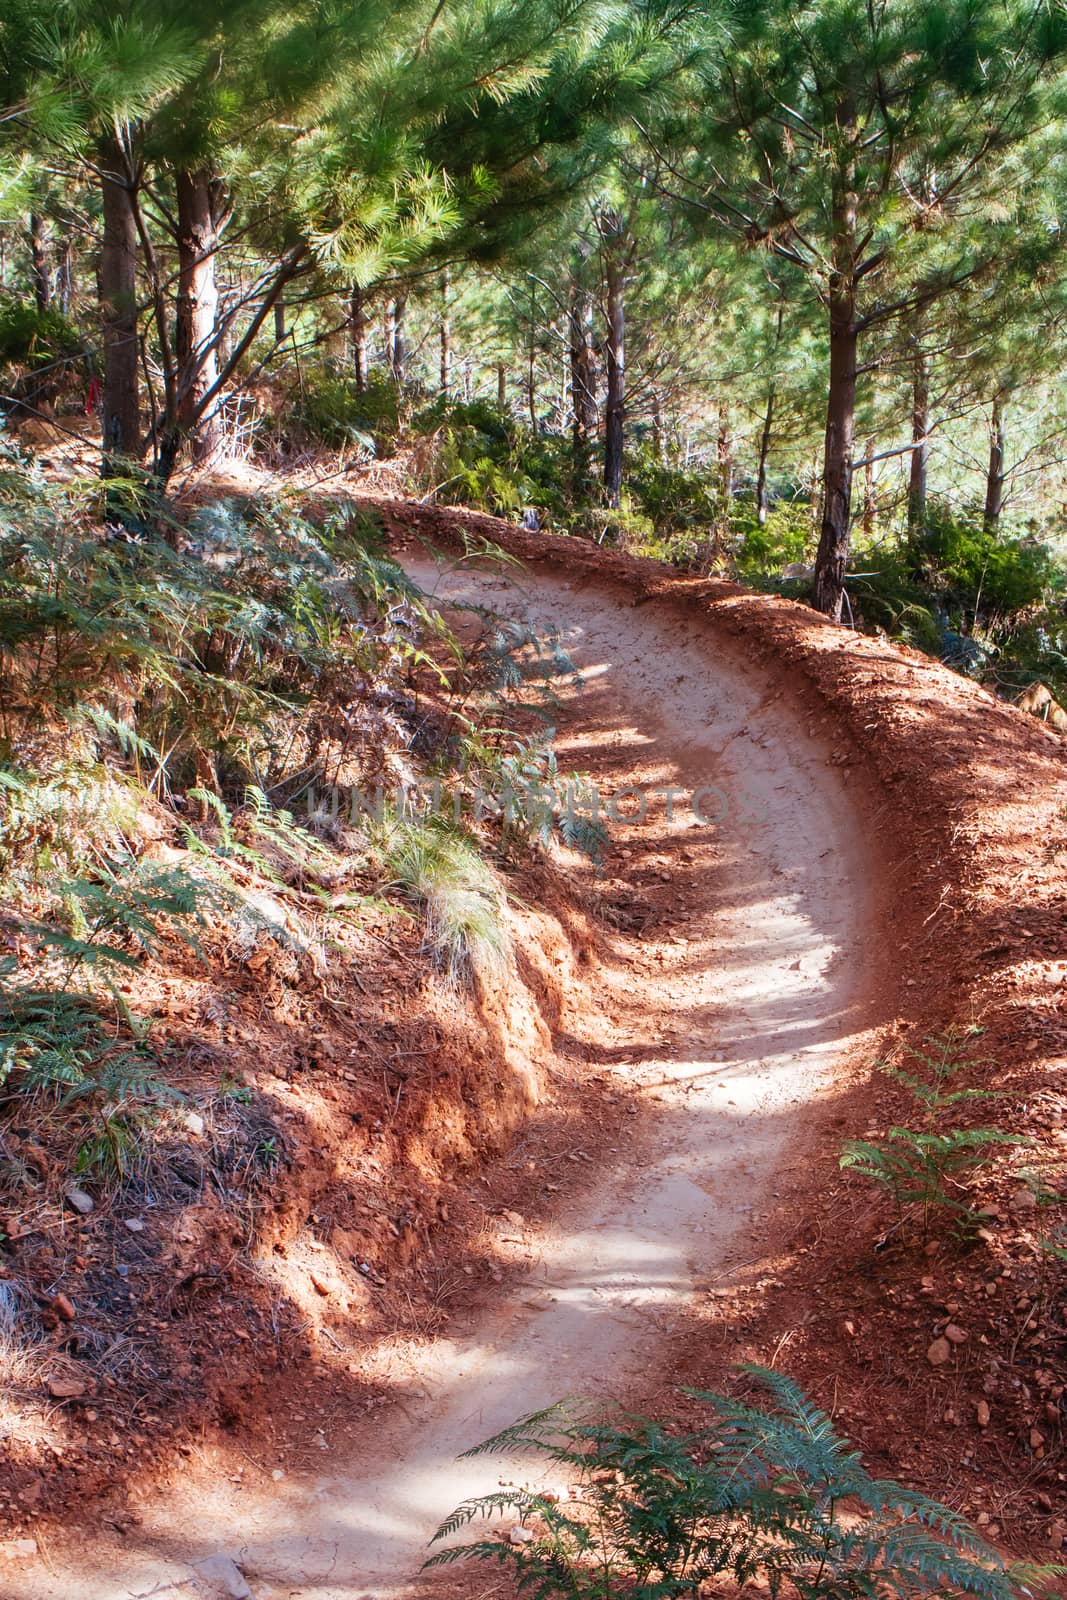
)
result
[(749, 988)]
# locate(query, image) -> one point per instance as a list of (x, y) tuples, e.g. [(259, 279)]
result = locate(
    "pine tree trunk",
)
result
[(65, 279), (279, 321), (831, 559), (357, 327), (566, 409), (615, 364), (389, 335), (994, 491), (766, 432), (764, 456), (724, 452), (41, 276), (196, 315), (502, 387), (583, 375), (398, 358), (870, 492), (659, 438), (531, 387), (446, 334), (920, 455), (117, 285), (226, 322)]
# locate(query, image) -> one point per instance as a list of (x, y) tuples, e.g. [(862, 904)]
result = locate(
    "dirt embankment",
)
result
[(313, 1197)]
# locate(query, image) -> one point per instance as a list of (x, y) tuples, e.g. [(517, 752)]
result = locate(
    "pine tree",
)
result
[(858, 143)]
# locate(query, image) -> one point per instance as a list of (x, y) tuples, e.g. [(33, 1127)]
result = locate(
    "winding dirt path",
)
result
[(732, 1011)]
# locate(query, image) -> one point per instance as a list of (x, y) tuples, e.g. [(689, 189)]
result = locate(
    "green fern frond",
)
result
[(752, 1497)]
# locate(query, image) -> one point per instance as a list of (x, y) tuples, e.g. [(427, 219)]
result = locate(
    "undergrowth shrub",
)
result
[(1035, 650), (885, 595), (330, 407), (768, 1495), (513, 674), (69, 1043), (487, 462), (761, 550), (675, 501), (982, 573), (199, 674), (221, 662), (40, 351)]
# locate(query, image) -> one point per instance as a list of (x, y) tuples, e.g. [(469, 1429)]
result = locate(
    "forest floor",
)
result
[(882, 856)]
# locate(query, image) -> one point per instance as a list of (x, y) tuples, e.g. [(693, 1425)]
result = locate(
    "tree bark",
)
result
[(357, 327), (279, 322), (920, 454), (994, 490), (724, 452), (502, 387), (583, 375), (870, 491), (117, 284), (766, 432), (39, 270), (831, 559), (65, 279), (397, 351), (195, 323), (446, 334), (615, 365), (659, 437), (389, 333), (566, 410), (764, 456), (815, 498)]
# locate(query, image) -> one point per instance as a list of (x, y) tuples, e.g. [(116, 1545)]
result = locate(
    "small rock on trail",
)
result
[(67, 1388), (220, 1578)]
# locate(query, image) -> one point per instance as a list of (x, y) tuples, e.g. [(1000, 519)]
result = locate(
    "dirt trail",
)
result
[(730, 1012)]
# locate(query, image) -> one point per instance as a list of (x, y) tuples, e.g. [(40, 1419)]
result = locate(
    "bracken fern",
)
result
[(761, 1494)]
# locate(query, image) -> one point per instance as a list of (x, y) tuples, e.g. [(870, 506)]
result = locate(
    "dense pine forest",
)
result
[(745, 288), (533, 668)]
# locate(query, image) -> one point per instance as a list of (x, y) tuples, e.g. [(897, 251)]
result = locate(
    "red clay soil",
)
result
[(965, 797)]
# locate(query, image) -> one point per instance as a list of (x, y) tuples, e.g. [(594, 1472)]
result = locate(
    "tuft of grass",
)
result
[(23, 1350), (440, 868)]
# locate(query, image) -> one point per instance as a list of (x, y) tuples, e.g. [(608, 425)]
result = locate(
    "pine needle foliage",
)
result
[(763, 1493)]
